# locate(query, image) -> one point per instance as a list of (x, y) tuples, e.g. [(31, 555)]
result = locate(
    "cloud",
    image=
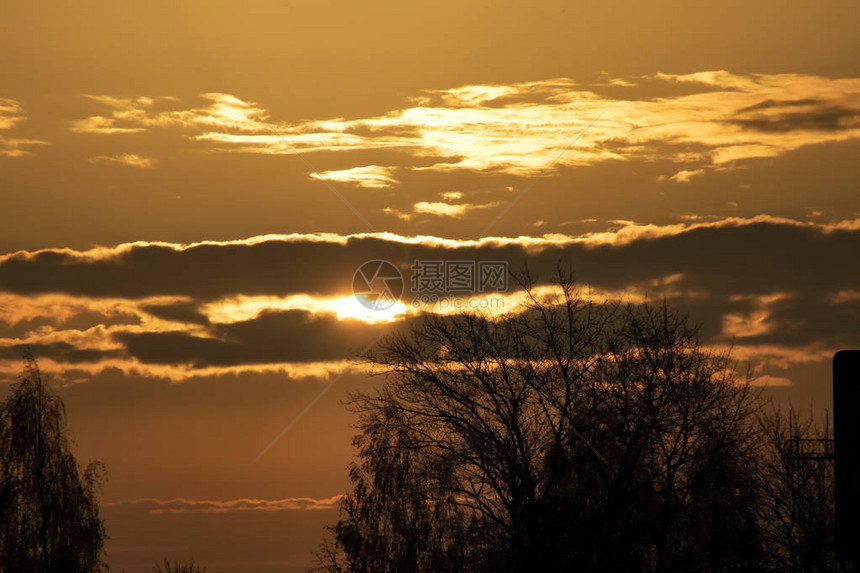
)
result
[(442, 209), (848, 295), (371, 176), (15, 148), (746, 253), (124, 110), (101, 125), (180, 311), (64, 373), (768, 380), (809, 117), (58, 352), (134, 115), (129, 159), (86, 334), (780, 288), (181, 505), (271, 338), (755, 323), (684, 176), (11, 114), (522, 129)]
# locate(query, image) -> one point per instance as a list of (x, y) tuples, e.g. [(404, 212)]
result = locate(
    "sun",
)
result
[(350, 307)]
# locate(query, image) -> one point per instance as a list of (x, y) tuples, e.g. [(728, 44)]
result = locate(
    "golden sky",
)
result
[(189, 187)]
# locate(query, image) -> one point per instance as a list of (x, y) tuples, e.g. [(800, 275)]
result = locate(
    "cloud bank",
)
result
[(784, 291)]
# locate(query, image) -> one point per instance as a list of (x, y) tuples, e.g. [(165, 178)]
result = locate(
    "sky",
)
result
[(188, 190)]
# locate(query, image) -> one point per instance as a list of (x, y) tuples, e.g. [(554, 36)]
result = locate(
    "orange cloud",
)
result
[(371, 176), (133, 115), (443, 209), (181, 505), (63, 373), (782, 357), (129, 159), (11, 114), (768, 380), (523, 128), (743, 325)]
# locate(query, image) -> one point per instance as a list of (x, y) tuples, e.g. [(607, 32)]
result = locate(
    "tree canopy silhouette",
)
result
[(573, 436), (49, 515)]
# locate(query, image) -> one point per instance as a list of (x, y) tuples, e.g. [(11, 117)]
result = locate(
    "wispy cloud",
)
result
[(127, 115), (129, 159), (443, 209), (684, 175), (181, 505), (768, 380), (371, 176), (11, 114), (15, 147), (521, 128), (133, 115)]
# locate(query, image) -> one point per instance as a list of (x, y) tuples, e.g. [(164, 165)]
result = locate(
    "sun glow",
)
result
[(351, 307)]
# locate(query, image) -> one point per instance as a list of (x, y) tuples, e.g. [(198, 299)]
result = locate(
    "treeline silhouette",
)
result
[(575, 436)]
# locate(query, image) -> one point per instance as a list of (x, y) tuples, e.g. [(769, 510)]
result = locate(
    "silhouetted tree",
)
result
[(49, 518), (572, 436)]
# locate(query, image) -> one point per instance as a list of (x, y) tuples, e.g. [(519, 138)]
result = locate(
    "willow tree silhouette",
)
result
[(574, 436), (49, 516)]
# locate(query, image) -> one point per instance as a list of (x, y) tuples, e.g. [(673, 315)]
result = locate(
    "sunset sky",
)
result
[(187, 189)]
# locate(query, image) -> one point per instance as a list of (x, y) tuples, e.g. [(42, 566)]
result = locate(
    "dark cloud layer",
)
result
[(271, 338), (751, 257), (188, 312), (57, 351), (761, 282), (822, 119)]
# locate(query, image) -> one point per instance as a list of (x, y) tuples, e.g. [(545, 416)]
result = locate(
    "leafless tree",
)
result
[(572, 436), (796, 494)]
